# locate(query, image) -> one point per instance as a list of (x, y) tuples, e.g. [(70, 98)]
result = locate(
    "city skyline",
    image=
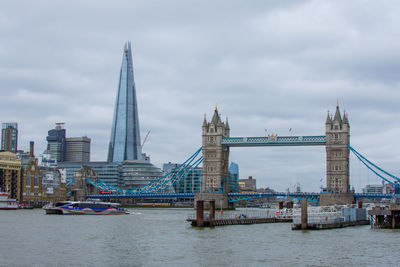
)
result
[(270, 67)]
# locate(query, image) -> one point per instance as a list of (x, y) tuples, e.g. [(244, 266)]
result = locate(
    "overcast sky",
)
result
[(269, 65)]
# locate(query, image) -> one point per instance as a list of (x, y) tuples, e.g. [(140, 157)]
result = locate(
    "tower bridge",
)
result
[(216, 144)]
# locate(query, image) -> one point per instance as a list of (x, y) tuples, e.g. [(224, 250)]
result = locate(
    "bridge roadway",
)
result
[(319, 140), (233, 197)]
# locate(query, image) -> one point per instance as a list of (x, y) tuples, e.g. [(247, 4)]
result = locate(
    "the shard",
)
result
[(125, 134)]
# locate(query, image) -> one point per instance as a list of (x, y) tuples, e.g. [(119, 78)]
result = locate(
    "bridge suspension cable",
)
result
[(163, 183), (374, 168)]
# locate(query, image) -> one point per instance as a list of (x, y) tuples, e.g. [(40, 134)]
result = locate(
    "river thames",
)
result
[(162, 237)]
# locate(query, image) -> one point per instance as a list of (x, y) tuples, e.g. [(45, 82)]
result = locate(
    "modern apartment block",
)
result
[(9, 137)]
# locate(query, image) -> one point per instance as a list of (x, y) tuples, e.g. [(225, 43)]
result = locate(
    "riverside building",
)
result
[(41, 183), (10, 173)]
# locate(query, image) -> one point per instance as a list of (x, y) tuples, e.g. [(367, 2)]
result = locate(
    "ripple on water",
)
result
[(162, 237)]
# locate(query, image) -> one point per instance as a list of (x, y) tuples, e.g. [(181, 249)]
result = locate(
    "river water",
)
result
[(162, 237)]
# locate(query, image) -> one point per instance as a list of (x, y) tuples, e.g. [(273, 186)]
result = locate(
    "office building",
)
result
[(248, 185), (56, 142), (9, 137), (127, 174), (191, 183), (77, 149), (373, 189), (233, 177), (125, 133)]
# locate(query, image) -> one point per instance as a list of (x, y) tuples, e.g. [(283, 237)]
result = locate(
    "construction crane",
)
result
[(145, 139)]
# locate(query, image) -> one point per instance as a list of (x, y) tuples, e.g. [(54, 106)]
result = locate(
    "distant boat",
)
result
[(89, 207), (7, 203), (25, 206)]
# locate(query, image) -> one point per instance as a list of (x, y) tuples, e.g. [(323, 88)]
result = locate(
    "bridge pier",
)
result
[(330, 199), (199, 213), (220, 200)]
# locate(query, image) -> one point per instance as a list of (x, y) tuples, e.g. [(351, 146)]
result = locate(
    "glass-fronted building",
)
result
[(56, 142), (192, 182), (233, 177), (127, 174), (125, 133), (9, 137)]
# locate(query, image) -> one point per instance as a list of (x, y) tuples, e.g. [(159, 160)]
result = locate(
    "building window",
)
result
[(36, 182), (28, 179)]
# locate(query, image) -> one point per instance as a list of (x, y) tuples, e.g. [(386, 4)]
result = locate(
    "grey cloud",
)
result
[(268, 64)]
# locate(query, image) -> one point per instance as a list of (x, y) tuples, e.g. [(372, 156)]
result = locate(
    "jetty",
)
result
[(211, 219), (385, 216), (329, 217)]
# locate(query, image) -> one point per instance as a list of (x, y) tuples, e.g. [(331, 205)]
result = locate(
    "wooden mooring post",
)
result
[(212, 213), (304, 217), (200, 213)]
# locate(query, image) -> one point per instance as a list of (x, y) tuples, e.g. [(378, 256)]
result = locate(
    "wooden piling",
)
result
[(200, 213), (212, 213), (304, 214), (393, 219)]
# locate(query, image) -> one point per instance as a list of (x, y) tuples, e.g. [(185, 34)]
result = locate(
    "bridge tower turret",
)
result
[(215, 156), (337, 131)]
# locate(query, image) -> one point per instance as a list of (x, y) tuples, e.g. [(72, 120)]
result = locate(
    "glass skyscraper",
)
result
[(125, 134), (126, 166)]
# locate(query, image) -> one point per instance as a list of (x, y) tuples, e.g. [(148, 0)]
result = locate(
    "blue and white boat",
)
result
[(89, 207)]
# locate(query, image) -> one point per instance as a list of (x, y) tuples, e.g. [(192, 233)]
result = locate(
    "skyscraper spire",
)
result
[(125, 132)]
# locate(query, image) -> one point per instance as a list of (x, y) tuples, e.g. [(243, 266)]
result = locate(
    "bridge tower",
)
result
[(337, 190), (215, 156), (215, 184)]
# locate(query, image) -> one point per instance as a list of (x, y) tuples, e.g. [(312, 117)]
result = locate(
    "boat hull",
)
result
[(8, 208), (93, 212)]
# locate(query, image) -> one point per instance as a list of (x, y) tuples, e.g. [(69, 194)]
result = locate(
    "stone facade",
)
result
[(215, 156), (337, 153), (330, 199), (221, 200), (33, 188), (10, 173)]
